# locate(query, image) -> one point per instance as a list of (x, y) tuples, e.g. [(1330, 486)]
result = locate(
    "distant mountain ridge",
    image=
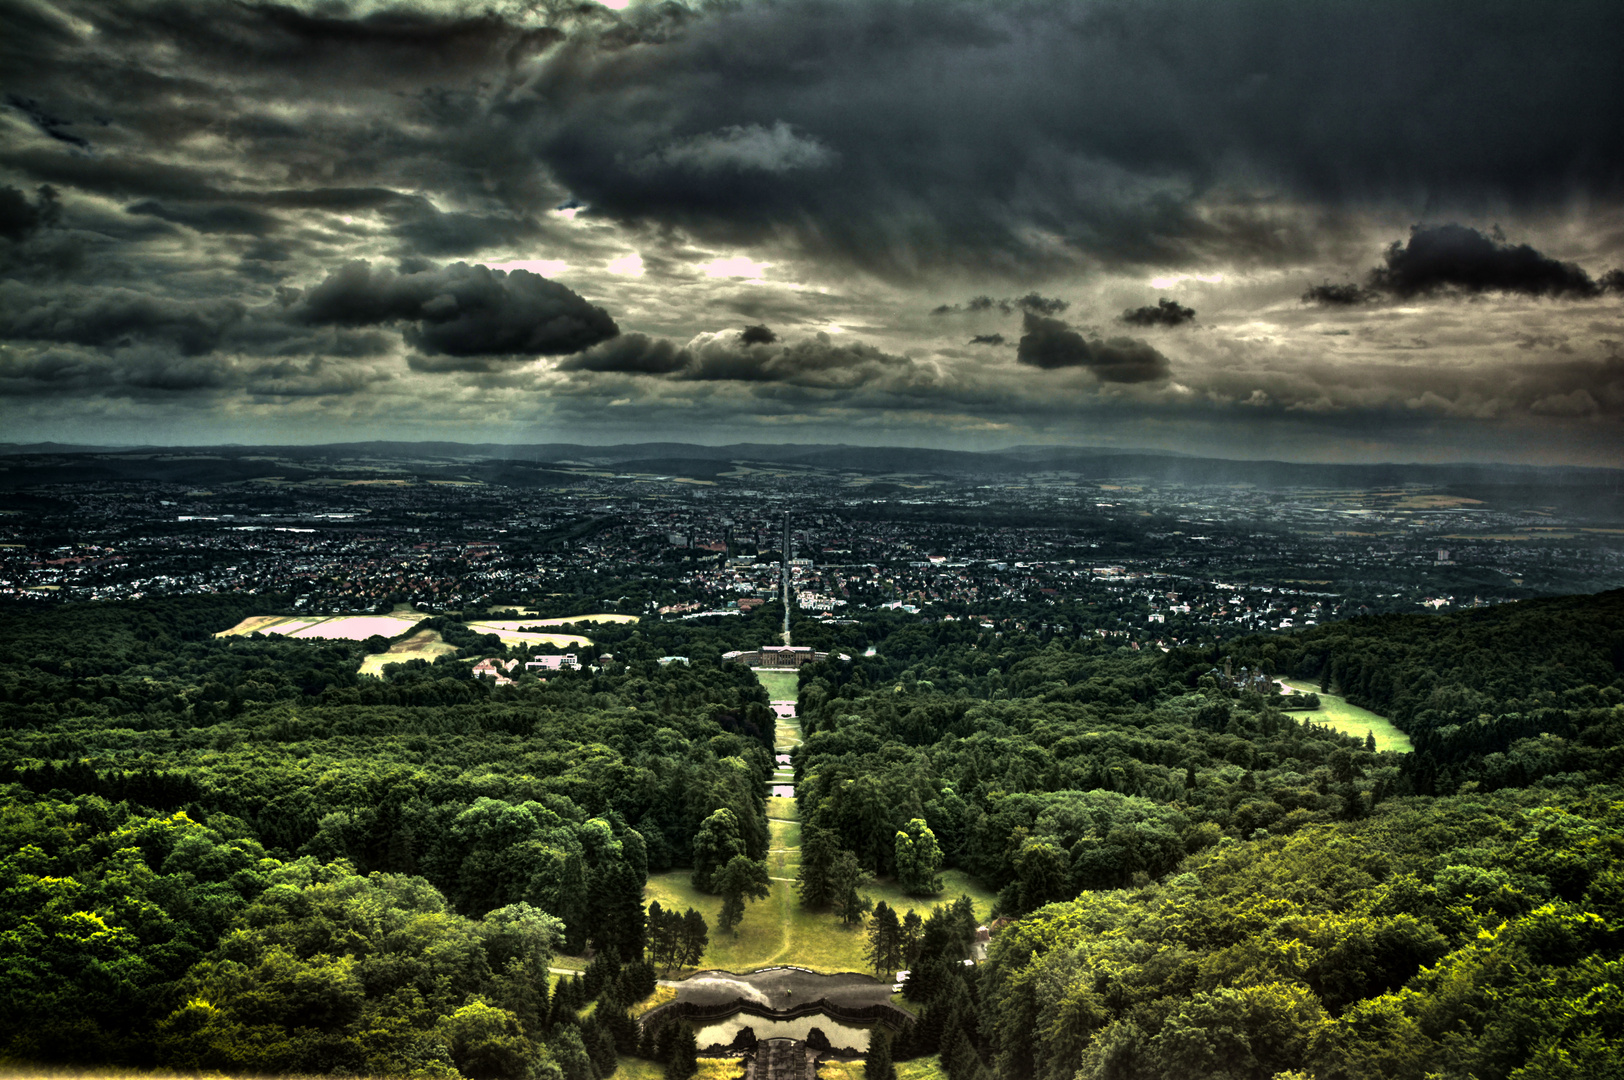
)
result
[(22, 464)]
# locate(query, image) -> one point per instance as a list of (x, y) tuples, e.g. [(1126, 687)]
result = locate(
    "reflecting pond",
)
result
[(841, 1036)]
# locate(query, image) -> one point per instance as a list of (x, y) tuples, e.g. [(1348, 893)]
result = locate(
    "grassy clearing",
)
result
[(423, 645), (1336, 713), (925, 1068), (779, 931), (634, 1068), (954, 882), (778, 807), (781, 685)]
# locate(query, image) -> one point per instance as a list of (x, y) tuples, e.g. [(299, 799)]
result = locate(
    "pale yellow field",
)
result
[(603, 618), (519, 624), (423, 645), (250, 624), (507, 630), (350, 627), (360, 627)]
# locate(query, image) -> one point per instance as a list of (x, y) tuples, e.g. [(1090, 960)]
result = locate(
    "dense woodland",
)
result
[(238, 854)]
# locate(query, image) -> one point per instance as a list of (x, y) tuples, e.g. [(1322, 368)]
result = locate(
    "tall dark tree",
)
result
[(742, 879)]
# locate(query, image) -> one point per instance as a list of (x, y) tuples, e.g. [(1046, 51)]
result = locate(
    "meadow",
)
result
[(1336, 713), (779, 930)]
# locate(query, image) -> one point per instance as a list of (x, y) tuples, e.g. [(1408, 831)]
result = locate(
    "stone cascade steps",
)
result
[(780, 1059)]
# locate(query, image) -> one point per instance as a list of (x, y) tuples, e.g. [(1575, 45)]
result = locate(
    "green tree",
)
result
[(740, 880), (715, 845), (695, 937), (485, 1043), (918, 859), (878, 1066), (846, 876), (913, 932), (815, 883), (885, 944), (683, 1061)]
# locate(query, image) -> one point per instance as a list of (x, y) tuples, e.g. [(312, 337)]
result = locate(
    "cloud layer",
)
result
[(682, 218)]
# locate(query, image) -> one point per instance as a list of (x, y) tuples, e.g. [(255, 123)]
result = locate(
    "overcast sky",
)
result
[(1315, 231)]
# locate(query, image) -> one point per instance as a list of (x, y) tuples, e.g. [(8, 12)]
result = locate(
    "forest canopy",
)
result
[(241, 854)]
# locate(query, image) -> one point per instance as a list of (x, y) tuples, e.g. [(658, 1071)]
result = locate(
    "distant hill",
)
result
[(1590, 491)]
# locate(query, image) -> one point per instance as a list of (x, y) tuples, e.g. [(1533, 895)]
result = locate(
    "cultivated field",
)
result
[(1351, 719), (349, 627), (508, 630), (566, 621), (423, 645)]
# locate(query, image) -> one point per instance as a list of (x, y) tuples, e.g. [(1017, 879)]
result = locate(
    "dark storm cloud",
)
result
[(814, 362), (53, 126), (1454, 256), (757, 335), (1165, 312), (424, 228), (1050, 344), (1451, 257), (1100, 127), (1339, 294), (210, 219), (817, 362), (1032, 302), (114, 316), (630, 354), (461, 310), (160, 374), (20, 218)]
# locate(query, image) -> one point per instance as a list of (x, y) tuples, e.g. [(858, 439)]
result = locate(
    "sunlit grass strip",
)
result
[(842, 1070), (661, 995), (720, 1069)]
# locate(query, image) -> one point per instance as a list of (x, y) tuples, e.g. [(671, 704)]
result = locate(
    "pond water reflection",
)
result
[(841, 1036)]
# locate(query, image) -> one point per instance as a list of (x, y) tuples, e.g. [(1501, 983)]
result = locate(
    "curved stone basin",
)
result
[(841, 1036), (783, 1003), (782, 988)]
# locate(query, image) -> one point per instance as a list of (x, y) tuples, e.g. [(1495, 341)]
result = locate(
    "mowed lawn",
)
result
[(1336, 713), (781, 685), (784, 860), (423, 645), (779, 931)]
